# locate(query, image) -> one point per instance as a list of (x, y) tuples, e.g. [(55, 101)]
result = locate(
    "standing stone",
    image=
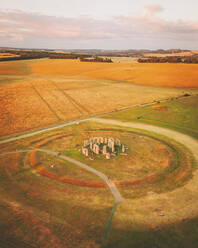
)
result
[(104, 150), (123, 148), (97, 149), (94, 148), (98, 140), (108, 155), (86, 152), (112, 146), (109, 143), (91, 146)]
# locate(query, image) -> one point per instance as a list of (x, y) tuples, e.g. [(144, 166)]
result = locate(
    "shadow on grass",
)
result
[(178, 235)]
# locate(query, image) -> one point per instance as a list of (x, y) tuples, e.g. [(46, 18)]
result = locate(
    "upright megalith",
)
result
[(123, 148), (104, 150), (108, 147)]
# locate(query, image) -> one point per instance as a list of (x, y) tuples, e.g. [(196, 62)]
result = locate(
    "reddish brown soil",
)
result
[(72, 181), (93, 184), (160, 107)]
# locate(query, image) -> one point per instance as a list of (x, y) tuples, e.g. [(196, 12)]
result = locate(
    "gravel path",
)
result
[(115, 192), (189, 142)]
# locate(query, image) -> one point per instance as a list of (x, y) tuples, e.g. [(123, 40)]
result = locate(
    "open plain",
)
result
[(51, 195), (39, 93)]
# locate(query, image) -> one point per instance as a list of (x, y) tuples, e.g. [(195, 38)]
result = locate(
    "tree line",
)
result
[(24, 55), (174, 59), (96, 59)]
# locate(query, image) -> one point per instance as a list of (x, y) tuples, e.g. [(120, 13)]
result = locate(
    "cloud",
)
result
[(16, 25), (153, 9), (149, 23)]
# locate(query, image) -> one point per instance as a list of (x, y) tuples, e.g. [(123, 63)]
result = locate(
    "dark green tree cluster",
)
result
[(174, 59), (96, 59)]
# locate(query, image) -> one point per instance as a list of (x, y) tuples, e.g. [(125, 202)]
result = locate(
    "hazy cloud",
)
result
[(153, 9), (16, 25)]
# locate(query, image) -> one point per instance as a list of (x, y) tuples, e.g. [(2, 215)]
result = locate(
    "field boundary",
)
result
[(49, 107), (29, 133)]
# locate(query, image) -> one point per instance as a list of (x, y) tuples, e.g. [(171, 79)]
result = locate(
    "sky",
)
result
[(99, 24)]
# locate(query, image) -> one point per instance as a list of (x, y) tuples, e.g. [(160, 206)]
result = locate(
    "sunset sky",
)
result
[(104, 24)]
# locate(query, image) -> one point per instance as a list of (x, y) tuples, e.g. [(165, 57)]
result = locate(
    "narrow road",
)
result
[(115, 192), (56, 126), (43, 130), (109, 182), (189, 142)]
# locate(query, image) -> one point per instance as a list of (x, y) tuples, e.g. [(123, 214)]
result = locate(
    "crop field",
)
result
[(47, 202), (39, 93), (149, 74)]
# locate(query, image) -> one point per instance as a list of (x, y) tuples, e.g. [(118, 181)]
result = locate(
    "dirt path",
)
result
[(109, 182), (72, 122), (115, 192), (176, 206), (189, 142)]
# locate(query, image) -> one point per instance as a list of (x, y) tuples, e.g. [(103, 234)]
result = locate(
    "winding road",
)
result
[(184, 208), (189, 142), (115, 192)]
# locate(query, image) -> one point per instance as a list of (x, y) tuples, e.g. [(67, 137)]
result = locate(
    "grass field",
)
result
[(45, 209), (47, 213), (47, 202), (44, 92), (178, 114)]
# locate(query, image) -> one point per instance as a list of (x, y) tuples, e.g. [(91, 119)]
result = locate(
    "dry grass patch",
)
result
[(21, 109), (175, 75), (14, 68), (29, 104), (63, 90), (190, 53)]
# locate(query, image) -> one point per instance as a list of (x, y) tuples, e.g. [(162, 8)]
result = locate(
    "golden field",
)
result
[(38, 93), (13, 68), (173, 75)]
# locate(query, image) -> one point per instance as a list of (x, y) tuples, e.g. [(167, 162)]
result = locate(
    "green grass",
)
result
[(180, 114), (78, 216), (180, 156)]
